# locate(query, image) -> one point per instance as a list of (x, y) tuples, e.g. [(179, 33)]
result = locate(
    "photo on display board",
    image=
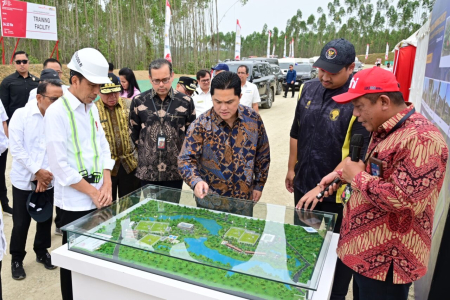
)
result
[(440, 100), (445, 53), (446, 113), (425, 91), (434, 91)]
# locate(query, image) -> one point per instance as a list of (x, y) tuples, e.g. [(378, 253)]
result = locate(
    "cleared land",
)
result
[(150, 239), (151, 226), (249, 238)]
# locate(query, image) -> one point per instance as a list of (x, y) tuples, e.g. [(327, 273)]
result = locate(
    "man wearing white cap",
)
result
[(78, 152)]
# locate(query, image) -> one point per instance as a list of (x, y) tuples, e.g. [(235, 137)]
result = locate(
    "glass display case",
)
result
[(252, 250)]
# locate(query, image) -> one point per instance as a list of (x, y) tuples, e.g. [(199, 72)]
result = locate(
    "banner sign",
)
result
[(28, 20), (268, 45), (237, 49), (293, 55), (284, 51), (167, 54), (367, 51)]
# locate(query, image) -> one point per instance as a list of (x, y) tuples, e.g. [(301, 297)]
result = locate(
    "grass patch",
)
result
[(235, 232), (249, 238), (150, 239)]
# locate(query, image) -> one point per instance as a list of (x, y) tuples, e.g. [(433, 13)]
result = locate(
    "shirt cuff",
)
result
[(195, 181), (259, 187), (74, 179), (108, 164), (33, 168), (357, 180)]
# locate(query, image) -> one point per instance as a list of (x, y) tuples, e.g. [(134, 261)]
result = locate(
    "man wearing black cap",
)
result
[(30, 164), (113, 112), (320, 138), (187, 85)]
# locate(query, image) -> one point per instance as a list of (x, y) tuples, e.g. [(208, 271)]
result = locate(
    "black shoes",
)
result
[(46, 260), (17, 270), (284, 97), (7, 211)]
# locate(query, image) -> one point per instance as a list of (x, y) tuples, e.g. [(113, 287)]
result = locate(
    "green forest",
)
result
[(130, 33)]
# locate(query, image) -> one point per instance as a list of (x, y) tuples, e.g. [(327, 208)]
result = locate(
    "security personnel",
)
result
[(187, 85), (14, 92), (114, 112), (320, 138), (78, 152)]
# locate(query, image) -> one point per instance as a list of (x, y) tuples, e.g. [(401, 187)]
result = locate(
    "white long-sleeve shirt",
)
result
[(33, 93), (3, 138), (202, 101), (27, 146), (61, 151)]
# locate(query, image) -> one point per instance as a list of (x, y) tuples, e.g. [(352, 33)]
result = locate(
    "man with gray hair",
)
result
[(159, 119)]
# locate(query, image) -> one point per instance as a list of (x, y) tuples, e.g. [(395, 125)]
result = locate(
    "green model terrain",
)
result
[(274, 257)]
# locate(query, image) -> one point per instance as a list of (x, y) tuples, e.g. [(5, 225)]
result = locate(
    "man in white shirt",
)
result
[(3, 130), (30, 164), (202, 96), (81, 162), (249, 91), (49, 64)]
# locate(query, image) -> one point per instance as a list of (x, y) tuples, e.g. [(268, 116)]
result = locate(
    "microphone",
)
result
[(356, 144)]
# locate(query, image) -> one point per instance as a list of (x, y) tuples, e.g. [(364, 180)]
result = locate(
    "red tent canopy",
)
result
[(403, 68)]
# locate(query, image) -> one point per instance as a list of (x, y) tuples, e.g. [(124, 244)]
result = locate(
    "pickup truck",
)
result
[(261, 75)]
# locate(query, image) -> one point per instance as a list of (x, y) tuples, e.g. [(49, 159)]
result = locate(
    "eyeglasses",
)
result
[(24, 61), (158, 81), (205, 80), (52, 99)]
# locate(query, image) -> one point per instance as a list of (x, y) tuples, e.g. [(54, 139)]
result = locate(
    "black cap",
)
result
[(188, 82), (40, 206), (49, 74), (336, 55), (112, 87)]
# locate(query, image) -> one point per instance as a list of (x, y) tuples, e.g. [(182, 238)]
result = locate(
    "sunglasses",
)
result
[(24, 61), (52, 99)]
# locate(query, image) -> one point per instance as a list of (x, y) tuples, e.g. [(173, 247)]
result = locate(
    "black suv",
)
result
[(305, 72), (261, 75), (270, 60), (279, 78)]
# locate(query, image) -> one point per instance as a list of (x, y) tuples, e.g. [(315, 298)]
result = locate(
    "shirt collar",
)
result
[(18, 75), (119, 102), (387, 126), (34, 108), (201, 92), (75, 103), (170, 94)]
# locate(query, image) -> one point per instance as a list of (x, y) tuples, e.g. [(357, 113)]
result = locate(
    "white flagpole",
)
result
[(167, 54), (367, 51), (268, 45), (387, 51), (273, 51), (293, 48), (237, 51), (284, 51)]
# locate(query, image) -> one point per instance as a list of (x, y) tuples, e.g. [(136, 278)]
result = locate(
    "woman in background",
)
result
[(130, 87)]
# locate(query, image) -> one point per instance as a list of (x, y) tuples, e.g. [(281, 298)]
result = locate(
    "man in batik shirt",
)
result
[(388, 218), (226, 150), (159, 119)]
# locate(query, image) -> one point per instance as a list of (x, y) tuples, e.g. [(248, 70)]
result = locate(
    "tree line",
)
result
[(130, 33)]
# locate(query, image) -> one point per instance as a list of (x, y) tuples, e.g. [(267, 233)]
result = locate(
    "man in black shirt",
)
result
[(320, 138), (14, 92)]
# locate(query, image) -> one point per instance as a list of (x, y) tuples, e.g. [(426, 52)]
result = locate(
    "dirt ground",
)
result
[(44, 284)]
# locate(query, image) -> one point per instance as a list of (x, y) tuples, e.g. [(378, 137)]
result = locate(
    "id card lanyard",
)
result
[(348, 189), (161, 140)]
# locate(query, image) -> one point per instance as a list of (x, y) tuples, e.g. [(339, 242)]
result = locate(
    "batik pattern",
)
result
[(234, 161), (389, 219), (145, 125)]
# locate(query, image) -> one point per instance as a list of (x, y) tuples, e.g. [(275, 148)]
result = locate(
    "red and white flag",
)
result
[(167, 54), (237, 49)]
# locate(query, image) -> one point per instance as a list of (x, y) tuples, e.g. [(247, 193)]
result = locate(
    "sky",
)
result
[(256, 13)]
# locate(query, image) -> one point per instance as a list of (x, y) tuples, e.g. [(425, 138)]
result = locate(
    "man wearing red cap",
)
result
[(391, 196)]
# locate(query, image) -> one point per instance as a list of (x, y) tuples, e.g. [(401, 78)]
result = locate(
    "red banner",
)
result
[(14, 15)]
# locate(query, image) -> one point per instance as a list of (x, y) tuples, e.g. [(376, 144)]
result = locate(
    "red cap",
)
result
[(369, 81)]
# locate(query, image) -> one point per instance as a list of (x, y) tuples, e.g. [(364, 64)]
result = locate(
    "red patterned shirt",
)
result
[(389, 219)]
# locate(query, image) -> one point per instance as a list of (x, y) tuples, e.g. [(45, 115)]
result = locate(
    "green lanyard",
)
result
[(77, 146)]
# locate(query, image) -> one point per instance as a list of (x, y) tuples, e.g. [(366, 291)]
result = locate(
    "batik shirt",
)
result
[(389, 219), (233, 161), (145, 127)]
